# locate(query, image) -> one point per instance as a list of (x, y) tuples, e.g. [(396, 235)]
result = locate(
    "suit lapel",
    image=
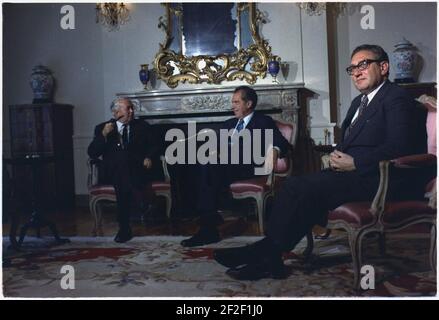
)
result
[(131, 135), (370, 110), (350, 114), (251, 123)]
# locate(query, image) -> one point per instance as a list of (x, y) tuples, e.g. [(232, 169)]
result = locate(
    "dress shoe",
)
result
[(252, 253), (202, 237), (123, 235), (265, 268), (234, 257)]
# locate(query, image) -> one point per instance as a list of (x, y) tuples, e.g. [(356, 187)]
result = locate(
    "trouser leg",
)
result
[(209, 183), (214, 181), (304, 201)]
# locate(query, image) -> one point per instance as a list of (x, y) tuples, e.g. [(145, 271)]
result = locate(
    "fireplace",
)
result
[(211, 106)]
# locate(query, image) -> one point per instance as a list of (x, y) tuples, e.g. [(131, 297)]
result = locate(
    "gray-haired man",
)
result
[(128, 150)]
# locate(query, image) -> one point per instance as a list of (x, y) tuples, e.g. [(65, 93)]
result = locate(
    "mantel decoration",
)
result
[(144, 75), (112, 14), (42, 84), (273, 68), (404, 58), (226, 45)]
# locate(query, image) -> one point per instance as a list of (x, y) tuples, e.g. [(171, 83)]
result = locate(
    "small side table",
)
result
[(37, 220)]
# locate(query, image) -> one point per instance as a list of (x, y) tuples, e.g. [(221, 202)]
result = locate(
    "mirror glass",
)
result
[(202, 32)]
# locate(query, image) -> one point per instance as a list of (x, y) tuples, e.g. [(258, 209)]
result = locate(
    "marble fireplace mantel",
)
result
[(287, 103), (212, 104)]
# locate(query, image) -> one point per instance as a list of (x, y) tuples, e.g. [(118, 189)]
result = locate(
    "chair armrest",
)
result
[(407, 162), (415, 161)]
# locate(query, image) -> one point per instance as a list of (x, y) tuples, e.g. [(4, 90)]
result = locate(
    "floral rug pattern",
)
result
[(160, 267)]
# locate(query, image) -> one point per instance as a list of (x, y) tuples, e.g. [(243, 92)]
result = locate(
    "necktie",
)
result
[(125, 136), (240, 125), (363, 105)]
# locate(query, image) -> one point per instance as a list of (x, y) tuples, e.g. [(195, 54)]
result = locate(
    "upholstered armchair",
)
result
[(382, 216), (100, 193), (263, 187)]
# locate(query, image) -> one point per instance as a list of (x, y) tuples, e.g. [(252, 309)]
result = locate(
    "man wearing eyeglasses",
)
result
[(380, 125)]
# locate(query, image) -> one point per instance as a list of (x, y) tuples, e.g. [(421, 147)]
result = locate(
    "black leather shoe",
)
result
[(123, 235), (274, 269), (202, 237), (234, 257)]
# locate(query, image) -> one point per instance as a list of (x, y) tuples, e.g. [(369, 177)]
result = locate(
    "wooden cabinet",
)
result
[(44, 130)]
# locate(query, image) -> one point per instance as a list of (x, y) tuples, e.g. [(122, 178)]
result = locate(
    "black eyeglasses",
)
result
[(362, 65)]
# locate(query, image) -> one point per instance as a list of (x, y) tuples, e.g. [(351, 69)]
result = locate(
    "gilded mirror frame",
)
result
[(244, 64)]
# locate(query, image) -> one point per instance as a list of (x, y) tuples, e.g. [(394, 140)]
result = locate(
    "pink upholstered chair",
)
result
[(263, 187), (99, 193), (381, 216)]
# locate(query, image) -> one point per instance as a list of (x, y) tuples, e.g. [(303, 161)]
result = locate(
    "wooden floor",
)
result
[(79, 222)]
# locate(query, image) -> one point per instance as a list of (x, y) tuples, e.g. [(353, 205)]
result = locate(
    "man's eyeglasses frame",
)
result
[(362, 65)]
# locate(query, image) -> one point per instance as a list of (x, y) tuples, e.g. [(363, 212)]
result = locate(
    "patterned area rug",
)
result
[(160, 267)]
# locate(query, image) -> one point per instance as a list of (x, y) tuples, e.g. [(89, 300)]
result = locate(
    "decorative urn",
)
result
[(144, 75), (404, 60), (42, 83), (273, 68)]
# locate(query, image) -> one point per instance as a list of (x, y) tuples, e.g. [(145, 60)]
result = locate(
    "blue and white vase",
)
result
[(42, 83), (404, 61), (144, 75)]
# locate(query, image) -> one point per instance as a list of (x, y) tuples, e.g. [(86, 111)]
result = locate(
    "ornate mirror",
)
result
[(211, 42)]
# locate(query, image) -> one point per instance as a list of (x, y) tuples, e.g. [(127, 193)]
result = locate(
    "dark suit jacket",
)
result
[(391, 126), (116, 160), (258, 121)]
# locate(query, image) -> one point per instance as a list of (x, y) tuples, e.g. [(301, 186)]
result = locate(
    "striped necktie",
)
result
[(363, 105), (240, 125)]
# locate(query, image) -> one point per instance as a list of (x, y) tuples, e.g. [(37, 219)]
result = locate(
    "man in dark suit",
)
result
[(213, 179), (129, 150), (380, 125)]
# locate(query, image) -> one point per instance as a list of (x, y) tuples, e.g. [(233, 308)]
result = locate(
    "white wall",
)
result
[(416, 21), (315, 69)]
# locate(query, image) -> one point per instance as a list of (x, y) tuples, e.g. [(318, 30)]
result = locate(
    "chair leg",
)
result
[(433, 253), (309, 245), (382, 243), (92, 206), (99, 230), (355, 241), (168, 206), (260, 214), (96, 213)]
